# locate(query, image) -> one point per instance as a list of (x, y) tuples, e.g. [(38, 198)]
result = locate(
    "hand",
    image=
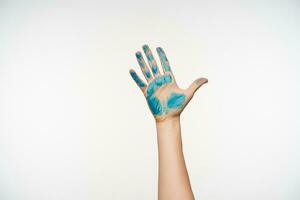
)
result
[(165, 99)]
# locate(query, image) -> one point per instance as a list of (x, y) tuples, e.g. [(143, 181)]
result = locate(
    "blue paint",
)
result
[(141, 63), (146, 48), (148, 74), (138, 55), (163, 58), (154, 68), (150, 58), (175, 100), (137, 79), (168, 78), (140, 59), (155, 105), (158, 82), (160, 50), (151, 88)]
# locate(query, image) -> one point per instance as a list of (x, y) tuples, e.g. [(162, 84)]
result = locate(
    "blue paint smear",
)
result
[(168, 78), (146, 48), (148, 75), (140, 59), (164, 58), (137, 79), (167, 67), (158, 82), (141, 63), (151, 88), (175, 100), (138, 55), (154, 69), (150, 56), (154, 105), (148, 53)]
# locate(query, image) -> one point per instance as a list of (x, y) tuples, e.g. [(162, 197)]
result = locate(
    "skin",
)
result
[(166, 102)]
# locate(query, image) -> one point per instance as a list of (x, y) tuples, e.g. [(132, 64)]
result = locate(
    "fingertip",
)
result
[(131, 71), (138, 54), (201, 81), (145, 47)]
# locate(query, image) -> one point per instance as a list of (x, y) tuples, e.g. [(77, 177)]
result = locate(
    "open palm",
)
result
[(164, 97)]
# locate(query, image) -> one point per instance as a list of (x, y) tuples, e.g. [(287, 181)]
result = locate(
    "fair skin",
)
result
[(166, 102)]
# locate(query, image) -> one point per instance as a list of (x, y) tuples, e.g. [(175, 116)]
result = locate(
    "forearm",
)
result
[(173, 180)]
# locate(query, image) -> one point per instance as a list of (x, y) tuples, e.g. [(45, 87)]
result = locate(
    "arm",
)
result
[(166, 102), (173, 180)]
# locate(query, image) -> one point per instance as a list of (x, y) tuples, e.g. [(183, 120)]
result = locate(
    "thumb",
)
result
[(196, 85)]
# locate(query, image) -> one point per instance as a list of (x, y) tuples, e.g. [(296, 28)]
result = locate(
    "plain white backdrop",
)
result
[(73, 125)]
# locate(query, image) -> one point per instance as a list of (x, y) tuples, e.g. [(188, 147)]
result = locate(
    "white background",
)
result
[(73, 125)]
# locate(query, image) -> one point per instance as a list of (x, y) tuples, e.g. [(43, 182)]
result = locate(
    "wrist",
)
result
[(169, 134), (171, 120), (169, 127)]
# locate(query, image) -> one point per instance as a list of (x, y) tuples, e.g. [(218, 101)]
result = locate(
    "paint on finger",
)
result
[(151, 59), (140, 59), (147, 73), (167, 78), (135, 77), (164, 59), (146, 49), (159, 81), (154, 68)]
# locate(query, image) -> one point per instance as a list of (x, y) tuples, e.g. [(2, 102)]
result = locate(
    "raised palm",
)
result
[(164, 97)]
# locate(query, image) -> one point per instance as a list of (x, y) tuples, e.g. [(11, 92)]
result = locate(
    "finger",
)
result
[(144, 67), (137, 80), (195, 86), (151, 60), (163, 59)]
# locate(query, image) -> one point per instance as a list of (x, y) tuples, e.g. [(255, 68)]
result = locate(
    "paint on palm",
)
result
[(158, 106), (175, 100)]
